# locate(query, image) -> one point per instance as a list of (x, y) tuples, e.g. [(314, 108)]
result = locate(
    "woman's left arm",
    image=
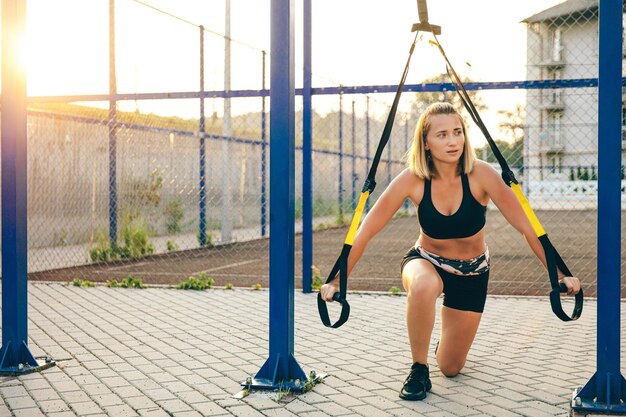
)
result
[(504, 198)]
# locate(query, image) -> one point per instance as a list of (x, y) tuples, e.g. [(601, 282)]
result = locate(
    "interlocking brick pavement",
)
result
[(168, 352)]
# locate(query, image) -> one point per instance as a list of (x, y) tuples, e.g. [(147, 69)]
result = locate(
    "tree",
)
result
[(423, 100), (511, 126)]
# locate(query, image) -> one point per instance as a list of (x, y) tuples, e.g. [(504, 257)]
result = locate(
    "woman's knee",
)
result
[(424, 287), (450, 368)]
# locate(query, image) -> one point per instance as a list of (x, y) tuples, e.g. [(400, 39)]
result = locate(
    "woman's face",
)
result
[(445, 139)]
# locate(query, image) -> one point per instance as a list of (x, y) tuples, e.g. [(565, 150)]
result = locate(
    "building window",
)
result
[(555, 164), (557, 45), (554, 127)]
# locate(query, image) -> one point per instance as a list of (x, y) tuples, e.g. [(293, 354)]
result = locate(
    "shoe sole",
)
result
[(428, 387)]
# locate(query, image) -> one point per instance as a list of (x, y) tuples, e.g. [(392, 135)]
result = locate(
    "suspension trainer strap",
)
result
[(554, 261), (341, 266)]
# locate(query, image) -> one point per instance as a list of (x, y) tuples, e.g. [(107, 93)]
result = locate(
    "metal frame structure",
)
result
[(605, 392), (15, 355), (281, 370)]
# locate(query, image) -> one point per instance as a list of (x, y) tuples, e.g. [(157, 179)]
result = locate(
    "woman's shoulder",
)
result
[(409, 177), (482, 169)]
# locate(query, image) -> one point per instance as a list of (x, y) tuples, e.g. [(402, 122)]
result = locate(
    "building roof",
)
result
[(563, 10)]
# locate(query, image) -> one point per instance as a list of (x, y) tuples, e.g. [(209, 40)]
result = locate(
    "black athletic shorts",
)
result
[(461, 292)]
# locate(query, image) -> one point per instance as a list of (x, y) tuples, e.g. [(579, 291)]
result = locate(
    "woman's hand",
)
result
[(572, 284), (328, 290)]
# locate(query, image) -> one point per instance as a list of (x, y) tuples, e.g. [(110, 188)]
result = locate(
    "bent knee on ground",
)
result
[(450, 368)]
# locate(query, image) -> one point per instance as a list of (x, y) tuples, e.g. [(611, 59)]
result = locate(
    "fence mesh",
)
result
[(191, 194)]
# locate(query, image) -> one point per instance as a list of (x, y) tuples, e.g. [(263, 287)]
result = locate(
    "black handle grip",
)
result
[(337, 297)]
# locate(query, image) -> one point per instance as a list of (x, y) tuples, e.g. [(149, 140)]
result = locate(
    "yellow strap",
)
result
[(356, 219), (534, 221)]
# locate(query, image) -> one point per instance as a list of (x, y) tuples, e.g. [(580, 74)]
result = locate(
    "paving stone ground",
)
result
[(167, 352)]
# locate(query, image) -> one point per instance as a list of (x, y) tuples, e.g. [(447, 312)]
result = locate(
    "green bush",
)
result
[(208, 241), (395, 291), (174, 215), (171, 246), (317, 279), (128, 282), (82, 283), (136, 243), (197, 283)]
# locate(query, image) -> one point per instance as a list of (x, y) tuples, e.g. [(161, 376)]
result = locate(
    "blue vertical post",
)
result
[(281, 368), (263, 153), (202, 202), (307, 155), (367, 144), (607, 386), (340, 180), (353, 146), (15, 356), (112, 122)]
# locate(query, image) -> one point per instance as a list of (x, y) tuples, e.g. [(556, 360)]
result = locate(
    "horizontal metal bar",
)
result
[(425, 87)]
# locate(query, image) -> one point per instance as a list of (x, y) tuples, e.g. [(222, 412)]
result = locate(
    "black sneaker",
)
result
[(417, 384)]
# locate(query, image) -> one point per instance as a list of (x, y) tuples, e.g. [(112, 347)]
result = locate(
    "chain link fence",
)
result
[(156, 191)]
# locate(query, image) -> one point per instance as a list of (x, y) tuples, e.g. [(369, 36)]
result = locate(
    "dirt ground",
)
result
[(515, 270)]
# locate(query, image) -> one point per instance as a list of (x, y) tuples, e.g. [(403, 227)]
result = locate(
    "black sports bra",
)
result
[(468, 220)]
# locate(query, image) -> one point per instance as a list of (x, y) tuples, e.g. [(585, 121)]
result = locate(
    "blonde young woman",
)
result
[(450, 189)]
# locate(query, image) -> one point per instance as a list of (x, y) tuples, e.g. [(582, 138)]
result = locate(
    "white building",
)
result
[(562, 123)]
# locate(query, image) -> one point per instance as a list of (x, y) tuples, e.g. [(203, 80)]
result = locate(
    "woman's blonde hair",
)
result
[(418, 159)]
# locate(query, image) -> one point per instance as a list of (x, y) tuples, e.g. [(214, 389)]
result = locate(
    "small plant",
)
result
[(256, 286), (171, 246), (317, 279), (282, 393), (395, 291), (128, 282), (208, 240), (136, 243), (136, 240), (197, 283), (60, 238), (82, 283), (174, 215), (229, 286)]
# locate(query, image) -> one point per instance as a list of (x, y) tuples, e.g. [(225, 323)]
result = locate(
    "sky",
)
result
[(355, 42)]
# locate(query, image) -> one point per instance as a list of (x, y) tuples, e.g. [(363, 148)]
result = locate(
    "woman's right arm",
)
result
[(383, 210)]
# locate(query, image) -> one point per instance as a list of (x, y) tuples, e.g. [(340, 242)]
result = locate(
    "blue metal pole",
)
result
[(15, 356), (307, 155), (263, 156), (353, 144), (367, 145), (281, 368), (202, 202), (340, 187), (607, 386), (112, 131)]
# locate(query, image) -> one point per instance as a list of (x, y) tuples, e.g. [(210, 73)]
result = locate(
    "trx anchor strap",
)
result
[(341, 265), (553, 259)]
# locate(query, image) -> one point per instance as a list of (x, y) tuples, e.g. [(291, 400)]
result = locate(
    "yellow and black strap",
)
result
[(554, 261), (341, 265)]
